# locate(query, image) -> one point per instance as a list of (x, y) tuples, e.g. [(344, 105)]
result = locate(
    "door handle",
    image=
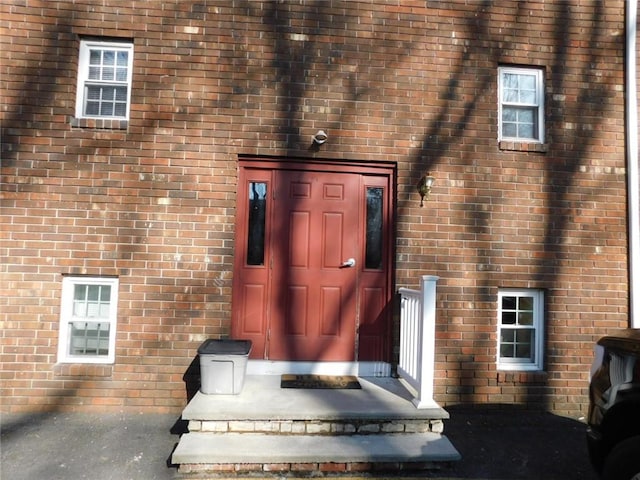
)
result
[(351, 262)]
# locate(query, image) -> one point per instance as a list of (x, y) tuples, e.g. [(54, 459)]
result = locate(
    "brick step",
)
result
[(251, 452), (319, 426)]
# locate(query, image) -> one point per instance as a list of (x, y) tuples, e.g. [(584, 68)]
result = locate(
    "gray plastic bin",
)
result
[(223, 365)]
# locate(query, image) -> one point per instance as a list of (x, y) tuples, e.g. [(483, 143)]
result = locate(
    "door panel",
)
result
[(299, 239), (252, 311), (296, 319), (292, 294), (330, 309)]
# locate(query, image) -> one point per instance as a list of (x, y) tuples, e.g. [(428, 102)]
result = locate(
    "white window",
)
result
[(104, 79), (520, 329), (88, 320), (521, 104)]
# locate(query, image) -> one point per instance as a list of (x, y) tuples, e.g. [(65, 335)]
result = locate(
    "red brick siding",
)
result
[(153, 200)]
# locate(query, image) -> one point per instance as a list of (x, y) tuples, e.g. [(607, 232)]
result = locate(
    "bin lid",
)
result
[(225, 347)]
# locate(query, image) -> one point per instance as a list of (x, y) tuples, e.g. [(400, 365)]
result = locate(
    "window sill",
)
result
[(82, 370), (533, 378), (509, 146), (99, 123)]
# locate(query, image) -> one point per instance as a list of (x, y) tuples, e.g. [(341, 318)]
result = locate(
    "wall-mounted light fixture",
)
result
[(320, 137), (424, 187)]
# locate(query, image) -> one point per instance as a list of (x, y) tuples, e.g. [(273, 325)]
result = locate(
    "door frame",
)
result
[(263, 165)]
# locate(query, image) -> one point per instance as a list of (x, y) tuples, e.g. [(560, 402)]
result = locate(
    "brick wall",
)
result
[(152, 200)]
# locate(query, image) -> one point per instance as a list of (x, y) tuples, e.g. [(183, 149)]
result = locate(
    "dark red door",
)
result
[(312, 278), (314, 266)]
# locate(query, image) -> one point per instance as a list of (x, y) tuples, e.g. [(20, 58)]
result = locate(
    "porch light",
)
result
[(320, 137), (424, 187)]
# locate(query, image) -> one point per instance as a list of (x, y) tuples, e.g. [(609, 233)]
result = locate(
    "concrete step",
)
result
[(201, 448)]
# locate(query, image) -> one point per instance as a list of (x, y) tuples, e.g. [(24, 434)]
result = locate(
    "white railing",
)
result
[(417, 340)]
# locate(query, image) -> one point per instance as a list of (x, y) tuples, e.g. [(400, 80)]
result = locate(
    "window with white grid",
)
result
[(521, 104), (104, 79), (88, 317), (520, 329)]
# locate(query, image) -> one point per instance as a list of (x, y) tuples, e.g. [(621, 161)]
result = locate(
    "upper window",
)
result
[(520, 329), (521, 104), (104, 80), (88, 320)]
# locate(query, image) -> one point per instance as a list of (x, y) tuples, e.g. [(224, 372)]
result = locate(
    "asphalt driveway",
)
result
[(495, 443)]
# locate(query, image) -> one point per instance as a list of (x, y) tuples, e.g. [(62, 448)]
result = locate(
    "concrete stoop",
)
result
[(268, 429)]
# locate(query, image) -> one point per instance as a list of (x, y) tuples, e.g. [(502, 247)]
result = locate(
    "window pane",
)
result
[(528, 96), (108, 57), (373, 249), (510, 95), (79, 309), (510, 81), (123, 59), (525, 116), (509, 303), (257, 222), (508, 318), (95, 57), (509, 130), (106, 110), (105, 293), (121, 74), (93, 93), (525, 318), (509, 114), (93, 292), (105, 310), (93, 310), (108, 93), (507, 335), (526, 131), (120, 109), (525, 303), (523, 351), (121, 94), (108, 74), (94, 73), (93, 108), (80, 292), (506, 350), (527, 82)]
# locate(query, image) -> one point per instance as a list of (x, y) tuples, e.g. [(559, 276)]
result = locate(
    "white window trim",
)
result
[(83, 74), (538, 325), (538, 72), (66, 316)]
